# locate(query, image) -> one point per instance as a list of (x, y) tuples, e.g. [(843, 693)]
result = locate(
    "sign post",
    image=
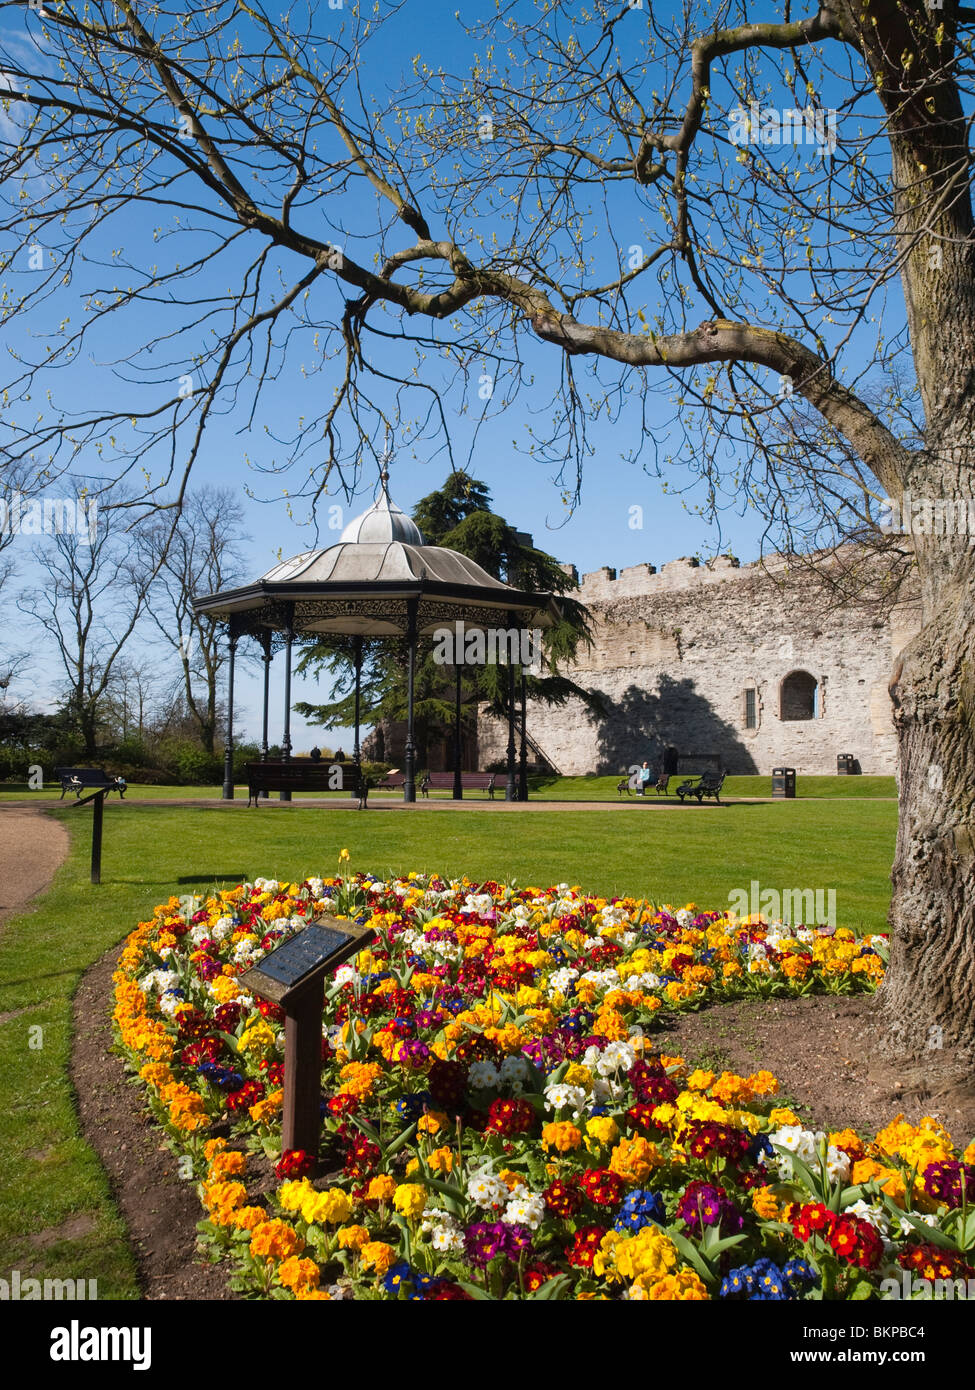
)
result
[(96, 831), (293, 976)]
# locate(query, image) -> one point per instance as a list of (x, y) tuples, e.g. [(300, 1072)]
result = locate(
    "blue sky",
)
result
[(625, 515)]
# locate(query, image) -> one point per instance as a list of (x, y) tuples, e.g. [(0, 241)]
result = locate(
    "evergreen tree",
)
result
[(457, 516)]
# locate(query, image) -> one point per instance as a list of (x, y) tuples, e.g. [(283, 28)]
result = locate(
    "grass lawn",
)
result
[(540, 789), (49, 1176)]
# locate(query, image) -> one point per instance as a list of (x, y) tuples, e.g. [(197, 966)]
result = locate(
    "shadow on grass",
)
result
[(238, 876)]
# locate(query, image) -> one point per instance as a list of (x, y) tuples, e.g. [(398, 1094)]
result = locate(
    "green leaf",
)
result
[(400, 1141), (476, 1292), (367, 1129), (931, 1233), (552, 1288), (693, 1256)]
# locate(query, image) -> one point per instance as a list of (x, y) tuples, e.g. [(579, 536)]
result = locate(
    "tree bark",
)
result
[(928, 998)]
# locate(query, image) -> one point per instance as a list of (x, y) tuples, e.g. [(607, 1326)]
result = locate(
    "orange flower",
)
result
[(299, 1275), (377, 1255), (275, 1240)]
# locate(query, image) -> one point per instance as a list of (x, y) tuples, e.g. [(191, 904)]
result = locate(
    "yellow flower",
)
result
[(331, 1207), (343, 855), (410, 1198), (603, 1128), (782, 1115), (648, 1252), (292, 1194)]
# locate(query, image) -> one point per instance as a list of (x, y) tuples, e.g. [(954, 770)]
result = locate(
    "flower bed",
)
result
[(496, 1122)]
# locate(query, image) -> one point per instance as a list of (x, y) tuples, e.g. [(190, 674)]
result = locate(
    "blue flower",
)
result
[(638, 1210), (396, 1275)]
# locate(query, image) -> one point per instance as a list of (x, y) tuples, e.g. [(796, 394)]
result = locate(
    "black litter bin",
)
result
[(845, 765), (783, 782)]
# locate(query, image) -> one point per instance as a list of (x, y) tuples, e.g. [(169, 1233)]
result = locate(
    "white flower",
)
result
[(170, 1002), (565, 1098), (796, 1140), (907, 1228), (486, 1190), (347, 975), (524, 1209), (875, 1215), (560, 980), (615, 1057), (482, 1075), (837, 1164), (684, 917), (316, 886), (222, 928), (515, 1070), (604, 1090), (447, 1240), (648, 980)]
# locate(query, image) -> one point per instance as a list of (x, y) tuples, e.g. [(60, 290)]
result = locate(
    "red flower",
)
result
[(294, 1163), (562, 1197), (511, 1117), (583, 1248), (603, 1188)]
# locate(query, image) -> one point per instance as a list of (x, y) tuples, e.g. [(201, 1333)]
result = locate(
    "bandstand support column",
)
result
[(458, 780), (356, 751), (511, 791), (289, 638), (409, 780), (267, 638), (228, 746), (523, 751)]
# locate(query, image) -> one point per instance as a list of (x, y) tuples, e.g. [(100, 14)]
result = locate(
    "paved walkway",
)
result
[(32, 847)]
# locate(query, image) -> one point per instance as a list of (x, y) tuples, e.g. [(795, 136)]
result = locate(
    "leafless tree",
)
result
[(88, 597), (602, 180), (204, 554)]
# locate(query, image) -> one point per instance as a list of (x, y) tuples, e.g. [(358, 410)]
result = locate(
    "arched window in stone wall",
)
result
[(798, 696)]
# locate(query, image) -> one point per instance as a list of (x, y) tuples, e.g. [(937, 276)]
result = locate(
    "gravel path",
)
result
[(32, 847)]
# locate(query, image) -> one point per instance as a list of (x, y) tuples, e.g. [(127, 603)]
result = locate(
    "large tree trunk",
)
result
[(927, 1001)]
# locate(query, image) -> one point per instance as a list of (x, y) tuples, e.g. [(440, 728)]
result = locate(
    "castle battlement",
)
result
[(637, 580)]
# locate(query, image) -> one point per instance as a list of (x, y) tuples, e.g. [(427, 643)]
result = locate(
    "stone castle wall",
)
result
[(676, 651)]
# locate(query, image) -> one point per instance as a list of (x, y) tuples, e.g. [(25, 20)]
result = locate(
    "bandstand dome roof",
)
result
[(364, 585)]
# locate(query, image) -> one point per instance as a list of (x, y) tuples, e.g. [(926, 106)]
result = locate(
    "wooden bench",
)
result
[(709, 784), (469, 781), (393, 781), (78, 779), (305, 775)]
